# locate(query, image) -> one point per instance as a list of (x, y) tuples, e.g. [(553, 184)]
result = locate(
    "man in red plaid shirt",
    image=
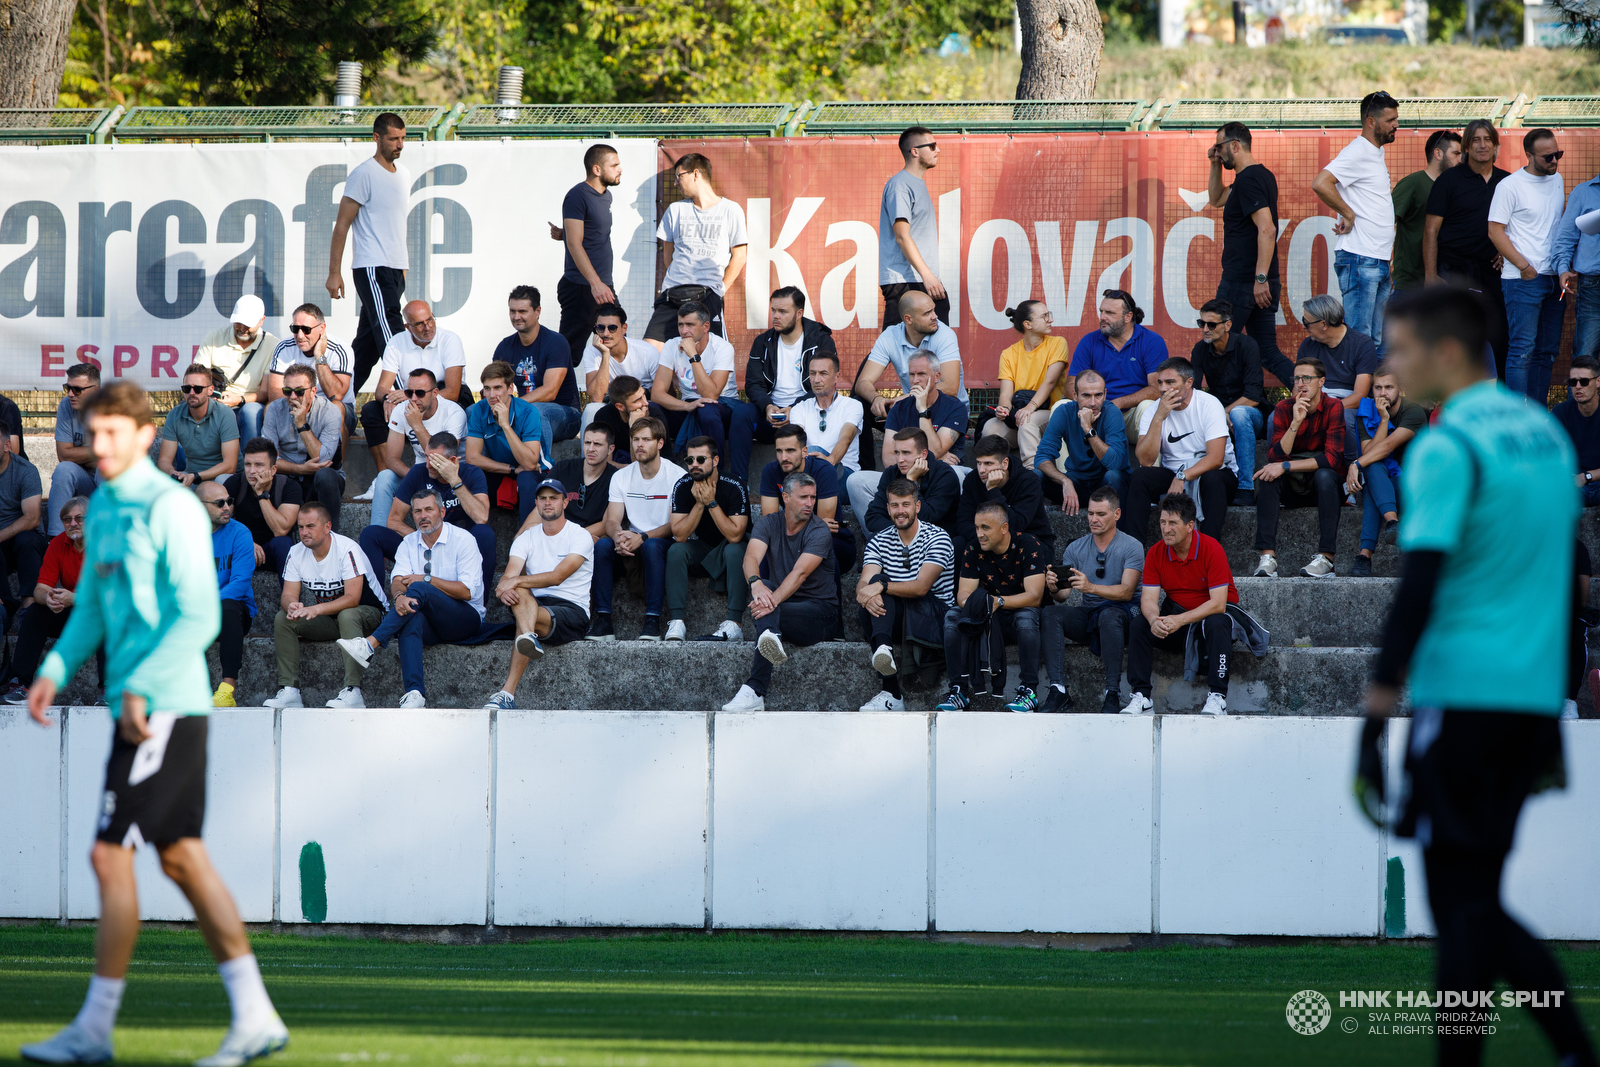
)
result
[(1305, 466)]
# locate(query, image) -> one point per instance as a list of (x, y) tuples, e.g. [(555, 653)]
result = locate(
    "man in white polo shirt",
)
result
[(436, 595), (1356, 185), (422, 344), (638, 529), (700, 364)]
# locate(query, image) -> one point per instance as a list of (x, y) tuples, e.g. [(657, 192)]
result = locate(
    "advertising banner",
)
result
[(1059, 218), (129, 255)]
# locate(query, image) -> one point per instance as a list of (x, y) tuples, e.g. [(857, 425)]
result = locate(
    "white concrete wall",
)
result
[(1183, 824)]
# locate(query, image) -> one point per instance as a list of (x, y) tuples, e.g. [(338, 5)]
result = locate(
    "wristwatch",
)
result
[(1286, 467), (1089, 433), (1001, 605), (694, 359), (753, 579), (1261, 279), (453, 488), (322, 361), (1588, 476), (302, 429), (428, 578), (713, 503)]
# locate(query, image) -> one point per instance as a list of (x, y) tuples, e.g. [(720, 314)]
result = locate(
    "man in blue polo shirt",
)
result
[(542, 362), (919, 330), (508, 441), (1576, 261), (1126, 355)]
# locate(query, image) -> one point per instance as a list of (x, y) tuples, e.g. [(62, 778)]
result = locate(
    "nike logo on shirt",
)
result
[(1173, 439)]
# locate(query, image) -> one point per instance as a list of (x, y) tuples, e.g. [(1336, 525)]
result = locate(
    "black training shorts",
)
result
[(156, 792)]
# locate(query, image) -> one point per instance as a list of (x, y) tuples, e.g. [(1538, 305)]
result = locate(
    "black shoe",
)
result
[(601, 629), (1055, 701), (1362, 567), (1244, 498), (1390, 532), (1112, 704), (651, 630)]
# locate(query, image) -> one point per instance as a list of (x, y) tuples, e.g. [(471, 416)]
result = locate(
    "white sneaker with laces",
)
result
[(728, 630), (883, 662), (1216, 703), (1569, 710), (413, 699), (1319, 567), (884, 702), (240, 1046), (745, 700), (770, 645), (288, 697), (676, 631), (69, 1045), (357, 648), (1267, 567), (364, 498), (349, 697), (1139, 705)]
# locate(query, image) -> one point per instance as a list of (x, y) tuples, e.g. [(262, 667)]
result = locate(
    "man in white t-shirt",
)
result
[(1184, 447), (546, 586), (638, 529), (1356, 185), (695, 387), (421, 345), (1523, 218), (831, 420), (329, 592), (705, 245), (377, 195), (624, 357), (422, 415)]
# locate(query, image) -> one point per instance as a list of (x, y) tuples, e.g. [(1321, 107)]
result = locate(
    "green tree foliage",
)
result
[(120, 52)]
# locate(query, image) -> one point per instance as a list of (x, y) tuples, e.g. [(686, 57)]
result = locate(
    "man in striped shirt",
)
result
[(907, 584)]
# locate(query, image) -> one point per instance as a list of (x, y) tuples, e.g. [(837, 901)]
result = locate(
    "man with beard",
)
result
[(1126, 356), (586, 230), (1356, 185), (907, 584), (1249, 281), (710, 515)]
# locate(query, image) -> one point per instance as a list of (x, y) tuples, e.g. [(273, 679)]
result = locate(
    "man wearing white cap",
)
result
[(238, 355)]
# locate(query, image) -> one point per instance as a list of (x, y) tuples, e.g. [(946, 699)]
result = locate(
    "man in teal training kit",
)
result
[(149, 592), (1487, 659)]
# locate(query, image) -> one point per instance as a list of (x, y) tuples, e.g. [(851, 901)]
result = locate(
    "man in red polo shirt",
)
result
[(52, 601), (1192, 569)]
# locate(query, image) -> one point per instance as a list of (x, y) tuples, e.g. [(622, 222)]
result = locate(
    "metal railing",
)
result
[(1317, 114), (626, 120), (268, 124), (64, 125), (974, 116), (1563, 111)]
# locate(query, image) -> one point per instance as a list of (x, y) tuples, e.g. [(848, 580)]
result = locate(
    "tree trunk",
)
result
[(33, 50), (1061, 46)]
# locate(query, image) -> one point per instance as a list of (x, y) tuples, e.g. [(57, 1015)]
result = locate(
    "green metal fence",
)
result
[(268, 124), (1563, 111), (64, 125), (1317, 114), (626, 120), (974, 116)]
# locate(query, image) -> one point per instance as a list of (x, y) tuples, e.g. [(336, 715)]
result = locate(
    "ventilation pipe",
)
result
[(508, 93)]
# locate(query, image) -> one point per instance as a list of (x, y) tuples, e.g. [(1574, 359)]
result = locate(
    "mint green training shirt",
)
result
[(148, 590), (1496, 639)]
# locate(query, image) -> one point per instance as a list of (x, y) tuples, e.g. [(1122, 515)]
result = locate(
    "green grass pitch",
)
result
[(665, 1001)]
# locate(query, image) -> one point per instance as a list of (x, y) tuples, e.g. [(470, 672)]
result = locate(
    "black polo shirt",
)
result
[(1234, 373), (1461, 200)]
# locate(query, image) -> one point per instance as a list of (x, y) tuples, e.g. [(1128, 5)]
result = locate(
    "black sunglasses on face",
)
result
[(417, 394), (1551, 157), (297, 328), (606, 329), (695, 461), (925, 144), (76, 390), (1204, 325), (194, 388), (297, 393), (1584, 382)]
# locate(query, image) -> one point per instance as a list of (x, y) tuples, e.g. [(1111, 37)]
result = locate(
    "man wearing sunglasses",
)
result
[(52, 602), (612, 354), (76, 473), (710, 517), (309, 342), (1228, 366), (1580, 414), (1523, 219), (205, 431), (308, 432), (908, 230), (421, 415), (422, 345), (1356, 185), (234, 552)]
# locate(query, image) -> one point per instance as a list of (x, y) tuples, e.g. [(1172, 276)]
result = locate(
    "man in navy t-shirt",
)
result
[(463, 491), (543, 365), (586, 228)]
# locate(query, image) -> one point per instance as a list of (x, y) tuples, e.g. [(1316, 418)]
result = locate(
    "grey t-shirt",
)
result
[(783, 551), (325, 420), (906, 197), (70, 429), (1123, 552), (18, 482)]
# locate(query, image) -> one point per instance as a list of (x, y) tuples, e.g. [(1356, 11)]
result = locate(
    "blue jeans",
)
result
[(249, 416), (562, 421), (1533, 322), (1586, 295), (1591, 494), (440, 619), (383, 490), (1364, 290), (1247, 423), (1382, 495), (652, 556)]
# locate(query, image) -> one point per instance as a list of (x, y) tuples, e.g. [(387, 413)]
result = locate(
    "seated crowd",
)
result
[(958, 561)]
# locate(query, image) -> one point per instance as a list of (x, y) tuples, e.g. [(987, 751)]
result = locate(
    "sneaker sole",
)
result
[(1307, 574), (529, 649), (601, 637), (772, 651), (649, 637), (883, 663)]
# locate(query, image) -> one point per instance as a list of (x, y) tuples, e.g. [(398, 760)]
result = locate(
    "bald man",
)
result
[(235, 553), (423, 345)]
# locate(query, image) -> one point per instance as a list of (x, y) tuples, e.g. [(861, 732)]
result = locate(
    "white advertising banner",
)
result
[(127, 256)]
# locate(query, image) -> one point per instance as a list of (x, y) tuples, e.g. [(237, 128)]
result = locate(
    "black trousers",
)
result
[(22, 555), (38, 625), (1216, 638), (577, 318), (379, 290), (1327, 495), (891, 301), (1486, 283), (327, 488), (799, 623), (1259, 323), (1147, 485), (236, 620)]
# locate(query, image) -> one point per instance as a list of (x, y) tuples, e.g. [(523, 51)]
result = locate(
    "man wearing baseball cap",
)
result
[(546, 585), (238, 355)]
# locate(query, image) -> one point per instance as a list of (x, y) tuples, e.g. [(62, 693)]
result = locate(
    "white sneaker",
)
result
[(1268, 567), (358, 649), (1216, 703), (1319, 567), (1569, 710), (1139, 705), (241, 1046), (69, 1045), (745, 700), (349, 697), (413, 699), (288, 697), (883, 662), (676, 631), (364, 498), (728, 630), (884, 702), (770, 645)]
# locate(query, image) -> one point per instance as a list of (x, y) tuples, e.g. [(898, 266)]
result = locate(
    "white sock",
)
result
[(242, 978), (1059, 688), (99, 1012)]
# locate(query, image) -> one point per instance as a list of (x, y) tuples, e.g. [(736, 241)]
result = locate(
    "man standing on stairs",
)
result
[(1487, 675)]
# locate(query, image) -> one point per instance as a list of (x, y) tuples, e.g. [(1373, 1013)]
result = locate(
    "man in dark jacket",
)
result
[(1228, 366), (993, 479), (775, 378), (937, 487)]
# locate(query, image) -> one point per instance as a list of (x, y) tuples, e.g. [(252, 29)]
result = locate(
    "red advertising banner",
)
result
[(1057, 218)]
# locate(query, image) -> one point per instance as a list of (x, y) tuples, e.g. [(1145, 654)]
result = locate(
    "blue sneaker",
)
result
[(501, 701), (1025, 700), (958, 700), (528, 644)]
